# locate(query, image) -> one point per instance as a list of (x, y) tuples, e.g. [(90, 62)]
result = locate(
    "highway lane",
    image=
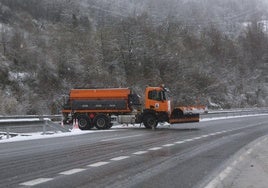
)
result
[(176, 156)]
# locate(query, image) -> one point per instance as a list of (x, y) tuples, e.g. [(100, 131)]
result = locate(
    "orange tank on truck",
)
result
[(101, 108), (99, 100)]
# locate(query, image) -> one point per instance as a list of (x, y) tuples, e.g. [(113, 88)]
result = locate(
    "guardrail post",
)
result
[(8, 133), (45, 127)]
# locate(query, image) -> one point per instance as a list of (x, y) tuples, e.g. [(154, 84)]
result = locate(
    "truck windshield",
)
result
[(163, 95), (157, 95)]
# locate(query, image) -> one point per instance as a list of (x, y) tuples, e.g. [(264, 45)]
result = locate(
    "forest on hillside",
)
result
[(211, 52)]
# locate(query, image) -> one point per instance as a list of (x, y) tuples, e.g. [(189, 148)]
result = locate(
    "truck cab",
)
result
[(156, 106), (158, 109), (156, 99)]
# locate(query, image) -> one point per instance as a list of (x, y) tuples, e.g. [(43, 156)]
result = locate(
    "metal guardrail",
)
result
[(30, 122), (263, 109), (234, 112), (58, 117)]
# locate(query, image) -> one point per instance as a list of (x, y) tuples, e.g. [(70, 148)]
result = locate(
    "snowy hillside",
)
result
[(201, 50)]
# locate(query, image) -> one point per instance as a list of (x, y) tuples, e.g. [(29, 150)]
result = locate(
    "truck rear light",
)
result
[(91, 116)]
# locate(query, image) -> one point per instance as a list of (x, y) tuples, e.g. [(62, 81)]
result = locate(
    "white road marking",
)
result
[(219, 178), (97, 164), (168, 145), (73, 171), (249, 151), (234, 163), (180, 142), (188, 140), (119, 138), (212, 134), (140, 152), (196, 138), (119, 158), (155, 148), (241, 158), (36, 181), (224, 174)]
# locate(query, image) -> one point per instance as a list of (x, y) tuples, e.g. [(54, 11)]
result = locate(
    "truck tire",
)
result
[(101, 121), (150, 121), (84, 122)]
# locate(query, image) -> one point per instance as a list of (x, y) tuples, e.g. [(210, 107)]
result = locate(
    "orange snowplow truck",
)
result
[(100, 108)]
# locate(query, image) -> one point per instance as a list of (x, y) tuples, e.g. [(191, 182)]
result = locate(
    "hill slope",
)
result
[(201, 50)]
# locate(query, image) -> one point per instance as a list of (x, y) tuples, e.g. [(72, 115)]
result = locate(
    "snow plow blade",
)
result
[(186, 114), (193, 109), (186, 119)]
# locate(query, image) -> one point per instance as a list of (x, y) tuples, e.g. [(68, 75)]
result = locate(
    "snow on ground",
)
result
[(40, 135), (23, 119)]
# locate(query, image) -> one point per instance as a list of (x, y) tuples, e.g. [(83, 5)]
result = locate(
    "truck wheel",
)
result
[(150, 121), (101, 121), (83, 122)]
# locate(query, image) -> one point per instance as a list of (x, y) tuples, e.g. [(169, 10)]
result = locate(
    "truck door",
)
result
[(156, 100)]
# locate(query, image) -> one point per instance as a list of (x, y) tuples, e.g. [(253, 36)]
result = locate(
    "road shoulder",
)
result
[(247, 168)]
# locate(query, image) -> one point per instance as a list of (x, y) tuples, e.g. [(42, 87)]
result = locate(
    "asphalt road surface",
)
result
[(185, 155)]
